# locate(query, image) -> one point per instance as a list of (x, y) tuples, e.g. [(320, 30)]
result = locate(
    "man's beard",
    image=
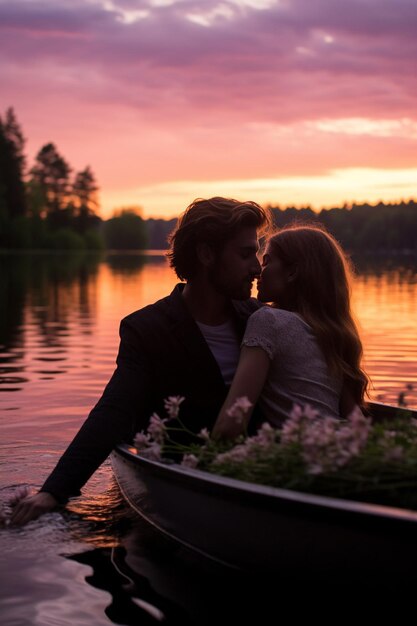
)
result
[(233, 291)]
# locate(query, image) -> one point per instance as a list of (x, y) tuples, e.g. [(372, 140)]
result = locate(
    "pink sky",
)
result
[(282, 101)]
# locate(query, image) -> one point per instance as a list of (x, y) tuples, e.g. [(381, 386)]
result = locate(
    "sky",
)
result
[(289, 102)]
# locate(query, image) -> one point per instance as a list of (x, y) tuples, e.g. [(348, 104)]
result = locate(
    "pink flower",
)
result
[(394, 454), (235, 455), (189, 460), (253, 447), (204, 434), (172, 405), (326, 443), (264, 437), (156, 428), (239, 409), (141, 440), (153, 452)]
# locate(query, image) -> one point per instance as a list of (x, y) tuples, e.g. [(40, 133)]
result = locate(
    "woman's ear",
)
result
[(205, 254)]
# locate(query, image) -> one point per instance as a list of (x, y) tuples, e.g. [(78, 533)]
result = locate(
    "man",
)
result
[(185, 344)]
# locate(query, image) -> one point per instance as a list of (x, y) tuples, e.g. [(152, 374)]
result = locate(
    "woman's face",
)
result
[(274, 278)]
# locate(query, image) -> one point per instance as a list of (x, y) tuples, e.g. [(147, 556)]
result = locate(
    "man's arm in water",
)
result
[(113, 420)]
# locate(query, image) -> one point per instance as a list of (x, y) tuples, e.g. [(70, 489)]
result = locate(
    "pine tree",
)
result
[(85, 198), (12, 166), (51, 173)]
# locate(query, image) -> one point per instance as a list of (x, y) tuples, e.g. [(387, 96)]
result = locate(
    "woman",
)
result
[(305, 347)]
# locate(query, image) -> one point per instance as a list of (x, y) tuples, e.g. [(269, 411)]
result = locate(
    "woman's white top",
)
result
[(298, 373)]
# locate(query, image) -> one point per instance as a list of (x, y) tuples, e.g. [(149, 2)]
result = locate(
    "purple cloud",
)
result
[(202, 79)]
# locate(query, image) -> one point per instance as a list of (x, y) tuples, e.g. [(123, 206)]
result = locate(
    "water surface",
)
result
[(59, 323)]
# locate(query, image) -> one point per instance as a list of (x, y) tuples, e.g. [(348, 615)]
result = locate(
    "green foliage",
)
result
[(64, 239), (93, 240), (48, 210), (125, 231), (20, 233)]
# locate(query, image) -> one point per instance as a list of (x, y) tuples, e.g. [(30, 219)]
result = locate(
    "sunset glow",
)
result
[(289, 102)]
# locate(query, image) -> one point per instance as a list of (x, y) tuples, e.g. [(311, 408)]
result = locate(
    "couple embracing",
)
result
[(211, 343)]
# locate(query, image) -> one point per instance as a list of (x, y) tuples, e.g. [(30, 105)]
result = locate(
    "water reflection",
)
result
[(58, 341), (404, 265), (62, 312), (151, 580), (40, 293), (131, 264), (385, 302)]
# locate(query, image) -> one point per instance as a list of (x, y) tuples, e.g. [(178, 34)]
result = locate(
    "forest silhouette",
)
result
[(51, 207)]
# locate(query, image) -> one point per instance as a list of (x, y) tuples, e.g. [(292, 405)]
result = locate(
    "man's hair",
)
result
[(213, 222)]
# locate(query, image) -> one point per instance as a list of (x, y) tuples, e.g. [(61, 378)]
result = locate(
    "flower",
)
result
[(204, 434), (141, 440), (237, 454), (310, 452), (264, 437), (253, 448), (395, 454), (239, 409), (326, 443), (172, 405), (189, 460), (153, 452), (157, 428)]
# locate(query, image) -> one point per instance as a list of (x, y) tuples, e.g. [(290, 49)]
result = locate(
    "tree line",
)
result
[(382, 227), (358, 227), (49, 206)]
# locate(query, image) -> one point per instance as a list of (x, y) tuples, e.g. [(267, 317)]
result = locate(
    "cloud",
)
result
[(154, 91), (267, 61)]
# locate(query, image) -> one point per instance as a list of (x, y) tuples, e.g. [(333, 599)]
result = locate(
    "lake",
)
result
[(95, 563)]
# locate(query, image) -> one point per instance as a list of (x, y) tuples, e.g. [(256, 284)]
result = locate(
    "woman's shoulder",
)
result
[(277, 317)]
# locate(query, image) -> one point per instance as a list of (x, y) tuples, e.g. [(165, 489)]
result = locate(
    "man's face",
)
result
[(236, 266)]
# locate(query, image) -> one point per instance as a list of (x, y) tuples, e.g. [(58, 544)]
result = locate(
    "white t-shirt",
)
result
[(223, 342)]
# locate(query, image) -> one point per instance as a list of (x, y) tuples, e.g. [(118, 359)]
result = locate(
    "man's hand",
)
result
[(31, 507)]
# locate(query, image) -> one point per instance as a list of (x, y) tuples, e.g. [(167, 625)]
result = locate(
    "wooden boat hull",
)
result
[(259, 529)]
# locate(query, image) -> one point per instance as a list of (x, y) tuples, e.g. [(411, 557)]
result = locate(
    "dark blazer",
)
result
[(162, 353)]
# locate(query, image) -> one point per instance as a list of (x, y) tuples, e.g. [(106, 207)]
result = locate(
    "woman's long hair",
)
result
[(319, 291)]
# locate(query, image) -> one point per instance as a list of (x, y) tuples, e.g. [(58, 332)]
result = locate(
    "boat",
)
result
[(257, 529)]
